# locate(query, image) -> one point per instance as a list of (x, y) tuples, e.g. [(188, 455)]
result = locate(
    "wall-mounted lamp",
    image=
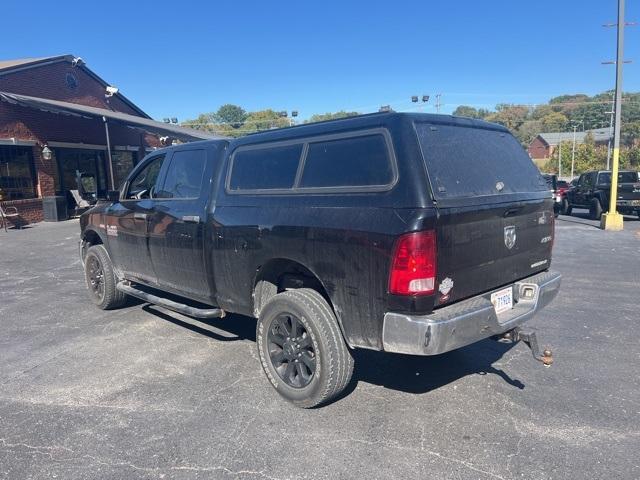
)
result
[(46, 153)]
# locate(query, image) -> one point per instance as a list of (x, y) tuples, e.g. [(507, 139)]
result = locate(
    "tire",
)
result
[(101, 279), (315, 368), (565, 209), (595, 209)]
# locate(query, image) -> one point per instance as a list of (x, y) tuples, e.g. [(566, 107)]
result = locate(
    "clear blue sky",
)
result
[(184, 58)]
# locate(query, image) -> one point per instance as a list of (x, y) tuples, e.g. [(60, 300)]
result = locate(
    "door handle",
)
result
[(140, 216), (191, 218)]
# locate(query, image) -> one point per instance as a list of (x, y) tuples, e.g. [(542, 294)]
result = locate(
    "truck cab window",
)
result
[(184, 175), (144, 183)]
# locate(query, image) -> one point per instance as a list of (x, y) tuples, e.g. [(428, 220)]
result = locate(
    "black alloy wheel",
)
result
[(95, 277), (101, 279), (291, 351)]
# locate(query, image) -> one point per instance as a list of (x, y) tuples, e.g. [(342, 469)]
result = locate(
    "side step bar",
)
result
[(170, 304)]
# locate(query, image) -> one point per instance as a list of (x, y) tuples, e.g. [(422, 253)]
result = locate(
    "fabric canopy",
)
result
[(67, 108)]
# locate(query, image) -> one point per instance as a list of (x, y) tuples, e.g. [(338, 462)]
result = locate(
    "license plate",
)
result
[(502, 300)]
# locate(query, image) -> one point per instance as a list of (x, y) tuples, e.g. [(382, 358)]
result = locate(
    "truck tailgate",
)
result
[(483, 249)]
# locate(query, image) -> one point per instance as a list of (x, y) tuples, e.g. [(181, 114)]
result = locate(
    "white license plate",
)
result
[(502, 300)]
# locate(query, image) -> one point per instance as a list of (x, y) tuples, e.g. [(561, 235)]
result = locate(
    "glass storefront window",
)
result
[(17, 174), (86, 166)]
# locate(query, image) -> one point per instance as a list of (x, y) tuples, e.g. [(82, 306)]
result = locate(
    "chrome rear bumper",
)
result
[(467, 321)]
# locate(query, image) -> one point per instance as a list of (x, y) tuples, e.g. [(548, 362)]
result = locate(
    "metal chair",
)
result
[(5, 216), (81, 204)]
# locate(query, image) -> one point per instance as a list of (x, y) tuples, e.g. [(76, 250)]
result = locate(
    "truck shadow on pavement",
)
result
[(415, 374), (405, 373)]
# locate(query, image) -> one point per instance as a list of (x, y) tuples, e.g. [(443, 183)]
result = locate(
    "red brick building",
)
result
[(87, 126), (542, 147)]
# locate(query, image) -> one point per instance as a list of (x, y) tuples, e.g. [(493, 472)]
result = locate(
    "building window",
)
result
[(81, 169), (17, 173), (72, 81)]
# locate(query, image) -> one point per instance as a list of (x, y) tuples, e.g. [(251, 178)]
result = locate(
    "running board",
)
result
[(170, 304)]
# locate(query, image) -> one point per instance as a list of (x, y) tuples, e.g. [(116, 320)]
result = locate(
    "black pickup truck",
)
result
[(593, 191), (408, 233)]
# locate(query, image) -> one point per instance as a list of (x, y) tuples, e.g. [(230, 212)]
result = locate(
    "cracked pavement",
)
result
[(145, 393)]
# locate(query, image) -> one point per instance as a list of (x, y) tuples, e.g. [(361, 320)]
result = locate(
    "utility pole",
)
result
[(573, 150), (612, 220), (610, 134), (438, 95), (560, 158)]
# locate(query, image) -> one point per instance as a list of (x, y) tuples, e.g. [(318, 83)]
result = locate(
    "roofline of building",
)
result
[(39, 62), (74, 109)]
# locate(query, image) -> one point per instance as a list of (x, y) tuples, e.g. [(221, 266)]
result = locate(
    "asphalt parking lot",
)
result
[(146, 393)]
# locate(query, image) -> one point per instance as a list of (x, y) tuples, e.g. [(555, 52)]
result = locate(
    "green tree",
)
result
[(511, 116), (320, 117), (630, 133), (231, 114), (466, 111), (529, 130), (554, 122), (264, 120)]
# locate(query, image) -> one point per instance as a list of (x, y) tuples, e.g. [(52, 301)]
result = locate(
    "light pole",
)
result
[(560, 158), (573, 151), (612, 220), (415, 98)]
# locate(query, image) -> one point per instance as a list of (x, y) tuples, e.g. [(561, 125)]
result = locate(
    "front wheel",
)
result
[(101, 279), (301, 348)]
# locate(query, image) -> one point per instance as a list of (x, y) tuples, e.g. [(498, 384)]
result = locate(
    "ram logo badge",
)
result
[(510, 236)]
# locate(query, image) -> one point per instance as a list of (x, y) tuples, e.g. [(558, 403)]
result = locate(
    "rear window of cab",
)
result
[(353, 162)]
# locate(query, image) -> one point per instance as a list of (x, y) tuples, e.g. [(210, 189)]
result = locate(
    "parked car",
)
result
[(552, 183), (562, 188), (593, 190), (407, 233)]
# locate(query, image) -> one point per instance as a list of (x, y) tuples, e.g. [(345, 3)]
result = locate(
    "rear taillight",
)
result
[(413, 267)]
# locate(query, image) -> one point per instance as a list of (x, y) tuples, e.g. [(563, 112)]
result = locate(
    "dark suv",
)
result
[(593, 190), (407, 233)]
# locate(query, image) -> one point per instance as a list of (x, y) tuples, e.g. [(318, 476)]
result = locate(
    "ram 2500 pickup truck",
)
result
[(407, 233)]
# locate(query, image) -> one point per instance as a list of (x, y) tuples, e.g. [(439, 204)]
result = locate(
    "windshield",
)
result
[(471, 161), (604, 178)]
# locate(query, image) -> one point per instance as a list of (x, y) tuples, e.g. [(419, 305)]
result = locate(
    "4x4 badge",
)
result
[(510, 236)]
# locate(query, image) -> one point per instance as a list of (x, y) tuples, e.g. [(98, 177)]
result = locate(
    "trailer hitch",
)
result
[(530, 340)]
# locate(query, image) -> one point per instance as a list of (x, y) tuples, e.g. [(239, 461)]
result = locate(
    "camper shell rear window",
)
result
[(465, 161)]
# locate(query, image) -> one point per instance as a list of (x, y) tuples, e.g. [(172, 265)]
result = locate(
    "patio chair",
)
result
[(10, 213), (81, 204)]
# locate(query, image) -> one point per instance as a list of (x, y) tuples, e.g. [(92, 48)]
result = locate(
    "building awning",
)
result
[(67, 108)]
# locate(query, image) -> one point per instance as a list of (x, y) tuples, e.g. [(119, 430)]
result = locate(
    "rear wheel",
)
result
[(595, 209), (565, 209), (101, 279), (301, 348)]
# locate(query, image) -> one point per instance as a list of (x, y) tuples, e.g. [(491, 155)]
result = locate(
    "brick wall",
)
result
[(45, 172), (21, 123), (49, 81), (30, 210), (539, 149)]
